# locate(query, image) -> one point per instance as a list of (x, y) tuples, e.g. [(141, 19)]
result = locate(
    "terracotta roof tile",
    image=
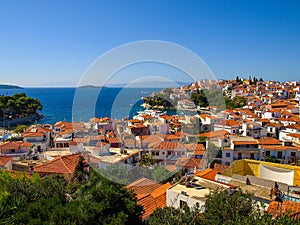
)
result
[(14, 145), (208, 174), (34, 134), (220, 168), (276, 209), (113, 140), (151, 195), (268, 141), (188, 163), (195, 147), (143, 186), (60, 165), (229, 123), (167, 145), (4, 160)]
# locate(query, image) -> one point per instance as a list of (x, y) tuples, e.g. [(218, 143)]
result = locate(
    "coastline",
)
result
[(19, 121)]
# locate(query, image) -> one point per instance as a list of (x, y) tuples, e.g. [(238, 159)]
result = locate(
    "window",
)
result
[(279, 155), (227, 154), (293, 154), (267, 153), (182, 204), (227, 163), (239, 155)]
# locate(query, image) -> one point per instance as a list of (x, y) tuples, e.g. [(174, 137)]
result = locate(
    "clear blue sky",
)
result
[(52, 42)]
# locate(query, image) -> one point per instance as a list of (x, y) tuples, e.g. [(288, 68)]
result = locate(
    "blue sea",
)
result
[(71, 104)]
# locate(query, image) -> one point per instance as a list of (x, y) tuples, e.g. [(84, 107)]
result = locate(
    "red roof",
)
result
[(276, 208), (268, 141), (168, 145), (229, 123), (188, 163), (208, 174), (34, 134), (172, 137), (113, 140), (14, 145), (4, 160), (213, 134), (60, 165), (143, 186), (245, 142), (150, 194)]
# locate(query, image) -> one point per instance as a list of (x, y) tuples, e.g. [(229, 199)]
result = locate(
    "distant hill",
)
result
[(91, 86), (7, 86)]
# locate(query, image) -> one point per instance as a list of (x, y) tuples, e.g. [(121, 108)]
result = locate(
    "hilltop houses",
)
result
[(249, 147)]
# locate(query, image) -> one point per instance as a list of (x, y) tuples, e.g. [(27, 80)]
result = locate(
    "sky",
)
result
[(54, 42)]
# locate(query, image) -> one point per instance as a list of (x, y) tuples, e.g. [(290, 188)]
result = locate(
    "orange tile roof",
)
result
[(265, 120), (167, 145), (74, 143), (220, 167), (273, 125), (207, 174), (154, 138), (113, 140), (195, 147), (14, 145), (34, 134), (143, 186), (188, 163), (135, 121), (151, 195), (213, 134), (279, 147), (276, 209), (97, 137), (294, 126), (268, 141), (60, 165), (147, 116), (295, 135), (4, 160), (245, 142), (172, 137), (229, 123)]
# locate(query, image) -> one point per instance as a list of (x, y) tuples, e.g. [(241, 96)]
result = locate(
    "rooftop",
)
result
[(199, 189)]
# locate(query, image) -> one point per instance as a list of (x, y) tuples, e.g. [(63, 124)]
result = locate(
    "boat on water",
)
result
[(151, 112)]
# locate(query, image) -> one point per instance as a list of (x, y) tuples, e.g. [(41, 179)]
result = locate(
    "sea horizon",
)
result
[(113, 102)]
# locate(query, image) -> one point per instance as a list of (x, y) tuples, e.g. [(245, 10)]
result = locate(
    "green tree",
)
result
[(146, 160), (235, 102), (162, 174), (51, 200), (172, 216), (20, 128), (117, 173)]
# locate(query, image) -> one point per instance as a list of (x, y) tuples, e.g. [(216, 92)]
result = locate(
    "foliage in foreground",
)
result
[(51, 200), (219, 209)]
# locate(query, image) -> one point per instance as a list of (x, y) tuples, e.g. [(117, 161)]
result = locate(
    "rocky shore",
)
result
[(24, 120)]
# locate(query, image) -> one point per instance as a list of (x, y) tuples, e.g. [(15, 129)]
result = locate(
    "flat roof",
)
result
[(200, 189), (116, 155)]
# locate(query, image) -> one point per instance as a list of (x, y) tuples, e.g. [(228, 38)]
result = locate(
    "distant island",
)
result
[(7, 86), (91, 86)]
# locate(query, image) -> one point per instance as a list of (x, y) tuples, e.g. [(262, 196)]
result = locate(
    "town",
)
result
[(246, 136)]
